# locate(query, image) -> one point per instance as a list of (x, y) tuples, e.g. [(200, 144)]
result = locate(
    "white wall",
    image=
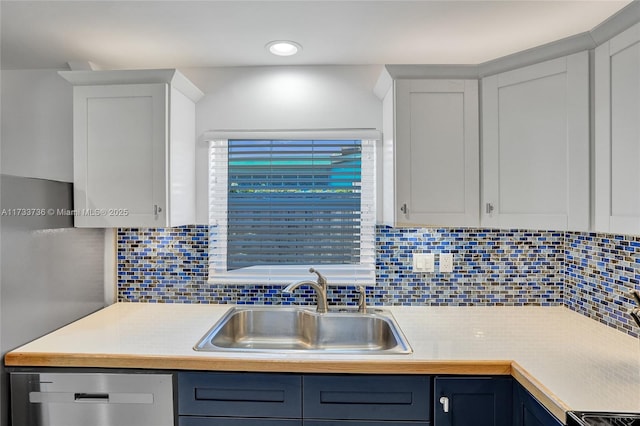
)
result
[(268, 98), (37, 114)]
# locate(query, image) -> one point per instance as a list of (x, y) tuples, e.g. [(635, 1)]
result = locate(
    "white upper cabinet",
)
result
[(434, 144), (134, 148), (617, 134), (535, 146)]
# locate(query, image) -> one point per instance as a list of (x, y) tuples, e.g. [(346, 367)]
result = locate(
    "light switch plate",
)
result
[(423, 262), (446, 262)]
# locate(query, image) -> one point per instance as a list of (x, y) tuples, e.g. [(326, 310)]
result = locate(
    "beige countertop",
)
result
[(566, 360)]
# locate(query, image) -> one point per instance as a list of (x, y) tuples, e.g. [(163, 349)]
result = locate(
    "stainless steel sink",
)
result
[(279, 329)]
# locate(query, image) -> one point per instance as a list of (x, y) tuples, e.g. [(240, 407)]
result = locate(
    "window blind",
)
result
[(292, 202)]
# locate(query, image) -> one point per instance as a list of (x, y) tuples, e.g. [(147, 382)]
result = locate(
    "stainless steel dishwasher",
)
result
[(91, 399)]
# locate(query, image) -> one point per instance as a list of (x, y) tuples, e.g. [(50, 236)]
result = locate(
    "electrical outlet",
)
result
[(423, 262), (446, 262)]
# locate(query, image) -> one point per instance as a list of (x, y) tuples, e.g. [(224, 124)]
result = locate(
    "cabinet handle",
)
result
[(489, 208), (156, 210), (404, 209), (445, 403)]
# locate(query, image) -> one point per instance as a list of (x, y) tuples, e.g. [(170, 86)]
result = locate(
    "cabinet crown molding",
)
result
[(172, 77), (614, 25)]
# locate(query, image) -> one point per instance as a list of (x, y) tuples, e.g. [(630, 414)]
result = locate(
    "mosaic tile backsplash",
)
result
[(589, 273), (600, 272)]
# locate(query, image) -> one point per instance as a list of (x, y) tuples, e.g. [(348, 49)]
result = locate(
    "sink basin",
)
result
[(278, 329)]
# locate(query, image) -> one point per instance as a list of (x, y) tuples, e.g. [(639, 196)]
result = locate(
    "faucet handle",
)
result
[(322, 281), (362, 299)]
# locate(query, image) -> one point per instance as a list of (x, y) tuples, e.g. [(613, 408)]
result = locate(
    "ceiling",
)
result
[(184, 34)]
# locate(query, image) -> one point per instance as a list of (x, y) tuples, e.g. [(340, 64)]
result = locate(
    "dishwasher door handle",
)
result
[(90, 397)]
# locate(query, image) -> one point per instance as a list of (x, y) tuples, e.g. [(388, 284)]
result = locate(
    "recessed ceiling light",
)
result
[(283, 47)]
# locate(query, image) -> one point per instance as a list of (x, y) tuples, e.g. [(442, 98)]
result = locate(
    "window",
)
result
[(283, 202)]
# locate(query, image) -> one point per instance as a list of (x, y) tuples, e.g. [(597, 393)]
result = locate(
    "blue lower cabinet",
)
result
[(527, 411), (224, 421), (366, 397), (271, 399), (250, 399), (472, 401)]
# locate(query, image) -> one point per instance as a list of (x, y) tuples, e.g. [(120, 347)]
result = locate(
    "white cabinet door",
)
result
[(617, 134), (437, 152), (120, 144), (535, 146)]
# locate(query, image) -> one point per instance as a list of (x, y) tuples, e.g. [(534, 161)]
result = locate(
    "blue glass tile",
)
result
[(590, 273)]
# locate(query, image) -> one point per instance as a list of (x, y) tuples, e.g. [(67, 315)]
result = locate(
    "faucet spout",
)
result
[(294, 285), (320, 288)]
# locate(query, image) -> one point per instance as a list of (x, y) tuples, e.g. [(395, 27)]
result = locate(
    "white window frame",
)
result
[(361, 274)]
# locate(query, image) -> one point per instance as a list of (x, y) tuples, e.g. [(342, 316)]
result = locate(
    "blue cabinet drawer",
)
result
[(240, 395), (226, 421), (367, 397), (361, 423)]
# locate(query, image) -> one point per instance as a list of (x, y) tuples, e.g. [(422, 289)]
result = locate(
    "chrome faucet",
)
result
[(320, 287)]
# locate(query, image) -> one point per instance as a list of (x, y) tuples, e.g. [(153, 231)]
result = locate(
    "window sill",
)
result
[(283, 275)]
